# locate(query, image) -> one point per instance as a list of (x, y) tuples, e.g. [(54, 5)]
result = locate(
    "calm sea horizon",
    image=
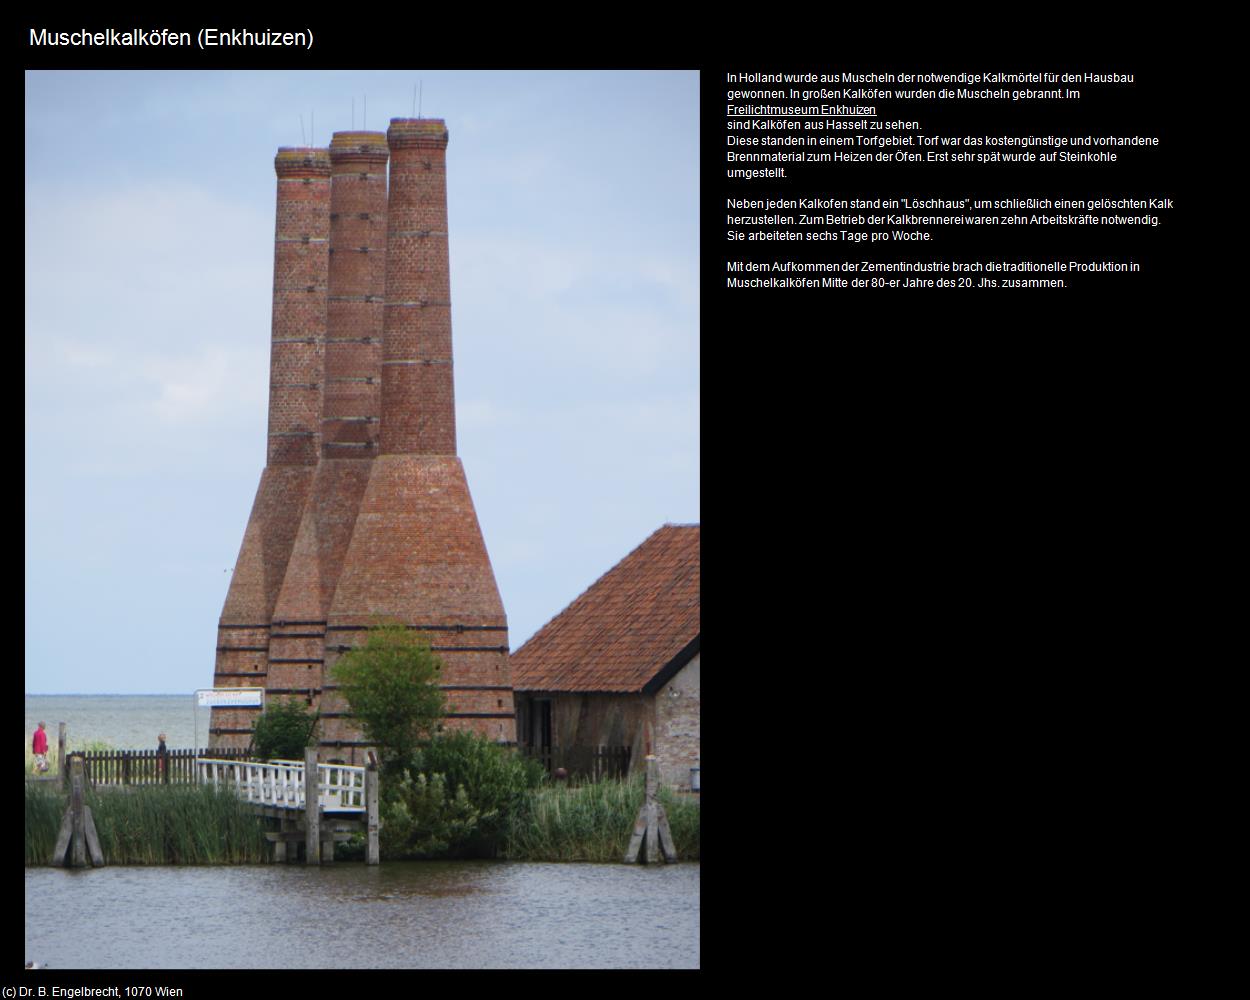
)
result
[(123, 721)]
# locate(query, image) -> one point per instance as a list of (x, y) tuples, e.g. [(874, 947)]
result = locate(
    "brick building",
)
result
[(363, 510), (622, 658)]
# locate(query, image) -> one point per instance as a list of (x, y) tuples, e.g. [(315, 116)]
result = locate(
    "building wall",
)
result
[(677, 726), (584, 719), (600, 719)]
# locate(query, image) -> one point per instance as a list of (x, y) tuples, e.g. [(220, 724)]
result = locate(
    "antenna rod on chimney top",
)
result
[(302, 139)]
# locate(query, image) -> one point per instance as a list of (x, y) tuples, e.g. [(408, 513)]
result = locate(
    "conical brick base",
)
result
[(243, 630), (417, 556), (297, 639)]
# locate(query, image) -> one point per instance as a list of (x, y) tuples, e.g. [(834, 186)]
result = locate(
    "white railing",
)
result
[(280, 783), (341, 787)]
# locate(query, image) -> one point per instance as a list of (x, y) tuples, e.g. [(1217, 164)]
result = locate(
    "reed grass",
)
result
[(152, 825), (45, 804), (593, 823), (189, 824)]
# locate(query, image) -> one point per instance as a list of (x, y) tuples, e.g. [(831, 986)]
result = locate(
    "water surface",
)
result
[(124, 721), (418, 915)]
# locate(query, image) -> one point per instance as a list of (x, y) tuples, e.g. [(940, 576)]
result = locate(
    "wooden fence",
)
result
[(177, 767), (147, 767), (583, 763)]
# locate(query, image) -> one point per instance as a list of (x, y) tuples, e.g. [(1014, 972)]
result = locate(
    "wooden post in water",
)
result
[(312, 809), (371, 811), (77, 834), (62, 839), (635, 839), (93, 839), (651, 831), (291, 854), (60, 749), (64, 835), (653, 835)]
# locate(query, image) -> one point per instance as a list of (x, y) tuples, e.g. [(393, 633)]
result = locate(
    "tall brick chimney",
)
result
[(301, 254), (416, 552), (418, 405), (349, 416), (357, 284)]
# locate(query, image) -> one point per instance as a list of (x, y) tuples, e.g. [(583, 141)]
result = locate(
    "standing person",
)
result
[(160, 756), (39, 747)]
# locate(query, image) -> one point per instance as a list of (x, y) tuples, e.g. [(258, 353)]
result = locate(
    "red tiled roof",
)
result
[(626, 627)]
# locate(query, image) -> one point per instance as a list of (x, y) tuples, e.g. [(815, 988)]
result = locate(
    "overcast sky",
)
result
[(149, 268)]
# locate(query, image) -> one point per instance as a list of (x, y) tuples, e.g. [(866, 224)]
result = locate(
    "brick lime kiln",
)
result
[(363, 509)]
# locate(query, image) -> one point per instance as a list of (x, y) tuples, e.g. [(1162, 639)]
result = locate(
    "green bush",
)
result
[(420, 820), (391, 684), (496, 778), (455, 796), (283, 731)]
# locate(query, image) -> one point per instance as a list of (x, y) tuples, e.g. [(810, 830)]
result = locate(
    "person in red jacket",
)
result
[(39, 747)]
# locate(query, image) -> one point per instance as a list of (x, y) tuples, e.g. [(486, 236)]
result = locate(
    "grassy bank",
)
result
[(422, 818), (151, 825), (592, 823)]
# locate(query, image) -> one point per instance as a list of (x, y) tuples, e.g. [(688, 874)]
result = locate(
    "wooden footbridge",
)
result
[(283, 784), (316, 804)]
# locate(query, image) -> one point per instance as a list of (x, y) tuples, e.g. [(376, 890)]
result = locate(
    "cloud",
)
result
[(82, 355), (577, 308), (153, 305), (205, 385), (474, 414), (160, 263)]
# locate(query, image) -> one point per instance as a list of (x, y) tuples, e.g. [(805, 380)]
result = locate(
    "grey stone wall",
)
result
[(677, 726)]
